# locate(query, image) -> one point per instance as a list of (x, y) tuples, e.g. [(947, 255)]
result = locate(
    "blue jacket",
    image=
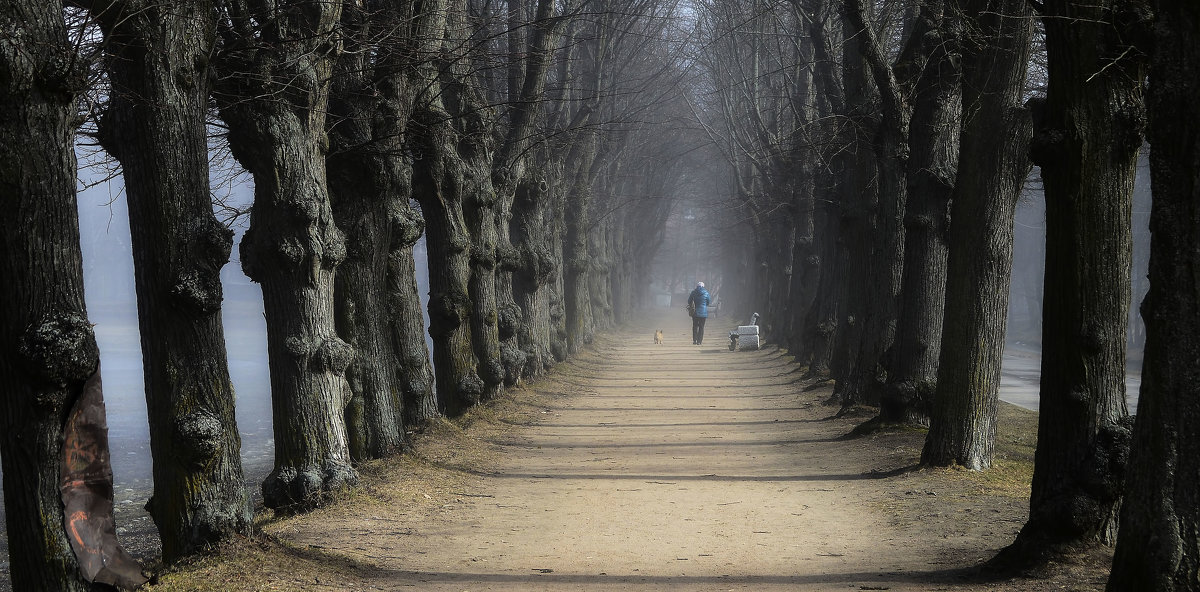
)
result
[(701, 299)]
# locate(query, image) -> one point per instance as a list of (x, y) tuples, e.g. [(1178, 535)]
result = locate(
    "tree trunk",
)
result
[(437, 185), (479, 210), (778, 251), (1087, 136), (533, 279), (526, 90), (859, 195), (933, 142), (821, 323), (819, 335), (48, 352), (576, 259), (806, 265), (414, 373), (510, 316), (362, 191), (1158, 547), (557, 218), (292, 248), (155, 126), (884, 201), (992, 166), (600, 271)]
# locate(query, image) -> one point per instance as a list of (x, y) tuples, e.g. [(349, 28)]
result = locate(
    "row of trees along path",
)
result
[(665, 467)]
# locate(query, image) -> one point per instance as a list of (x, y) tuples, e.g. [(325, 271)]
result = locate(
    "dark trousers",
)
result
[(698, 330)]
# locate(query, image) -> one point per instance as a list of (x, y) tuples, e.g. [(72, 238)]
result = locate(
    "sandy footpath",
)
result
[(670, 467)]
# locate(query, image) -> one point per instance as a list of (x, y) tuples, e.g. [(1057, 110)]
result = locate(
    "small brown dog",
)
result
[(658, 336)]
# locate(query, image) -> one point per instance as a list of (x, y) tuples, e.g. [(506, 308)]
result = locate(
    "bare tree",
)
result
[(1157, 547), (992, 166), (760, 70), (367, 185), (876, 194), (273, 91), (932, 164), (53, 439), (439, 184), (155, 125), (1086, 139)]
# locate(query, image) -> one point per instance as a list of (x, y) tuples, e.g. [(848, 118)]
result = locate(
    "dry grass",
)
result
[(444, 458), (448, 456)]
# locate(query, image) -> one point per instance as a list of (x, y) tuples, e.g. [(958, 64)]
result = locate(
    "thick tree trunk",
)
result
[(806, 267), (362, 175), (155, 126), (600, 273), (821, 324), (534, 277), (510, 316), (778, 251), (438, 186), (479, 211), (557, 218), (1087, 136), (933, 141), (526, 89), (1158, 548), (414, 373), (577, 301), (292, 247), (992, 167), (859, 196), (819, 333), (399, 92), (877, 292), (48, 352)]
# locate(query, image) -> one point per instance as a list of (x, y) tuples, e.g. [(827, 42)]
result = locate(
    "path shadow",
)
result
[(370, 565)]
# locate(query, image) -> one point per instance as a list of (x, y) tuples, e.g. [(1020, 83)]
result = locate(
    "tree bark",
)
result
[(437, 185), (155, 126), (526, 89), (801, 177), (992, 166), (576, 259), (859, 196), (1087, 136), (273, 95), (362, 174), (474, 148), (821, 324), (1158, 548), (820, 333), (415, 374), (48, 352), (884, 202), (933, 162), (534, 276)]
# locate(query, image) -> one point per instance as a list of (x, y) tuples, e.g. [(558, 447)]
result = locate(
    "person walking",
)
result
[(698, 302)]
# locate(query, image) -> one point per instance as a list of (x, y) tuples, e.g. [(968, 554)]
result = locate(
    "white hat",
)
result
[(699, 284)]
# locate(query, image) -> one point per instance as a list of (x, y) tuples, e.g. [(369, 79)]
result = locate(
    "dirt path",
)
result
[(668, 467)]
